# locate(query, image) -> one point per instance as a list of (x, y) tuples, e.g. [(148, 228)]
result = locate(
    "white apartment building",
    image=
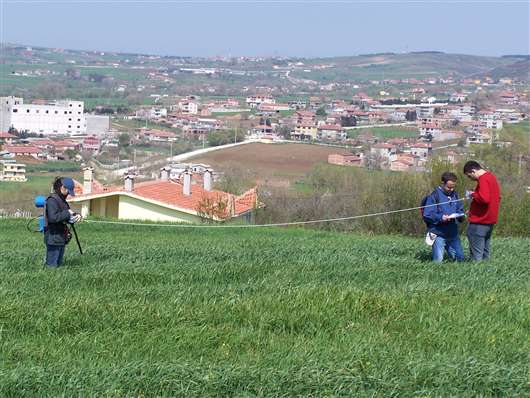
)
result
[(189, 107), (53, 118), (13, 172), (255, 100)]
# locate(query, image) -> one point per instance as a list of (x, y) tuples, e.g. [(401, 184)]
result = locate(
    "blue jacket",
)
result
[(433, 215)]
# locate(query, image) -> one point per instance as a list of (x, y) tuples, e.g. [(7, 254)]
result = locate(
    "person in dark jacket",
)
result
[(57, 214), (444, 210)]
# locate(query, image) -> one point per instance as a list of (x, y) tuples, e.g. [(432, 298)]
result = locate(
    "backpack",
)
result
[(424, 203)]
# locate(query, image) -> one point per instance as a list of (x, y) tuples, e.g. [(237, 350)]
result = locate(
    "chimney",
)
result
[(164, 173), (207, 178), (186, 188), (129, 183), (88, 174)]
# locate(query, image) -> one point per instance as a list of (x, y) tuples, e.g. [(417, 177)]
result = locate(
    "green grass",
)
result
[(20, 195), (166, 312), (54, 167), (384, 132)]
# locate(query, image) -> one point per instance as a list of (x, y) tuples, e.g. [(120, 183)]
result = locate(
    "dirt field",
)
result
[(271, 164)]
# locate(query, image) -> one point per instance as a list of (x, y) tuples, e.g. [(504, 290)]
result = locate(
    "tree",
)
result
[(348, 121), (411, 116), (213, 209), (70, 153), (124, 140), (321, 111)]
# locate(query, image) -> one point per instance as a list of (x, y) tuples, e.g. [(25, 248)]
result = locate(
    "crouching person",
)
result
[(443, 211), (57, 214)]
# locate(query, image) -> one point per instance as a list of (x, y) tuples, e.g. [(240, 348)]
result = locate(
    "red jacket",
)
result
[(484, 208)]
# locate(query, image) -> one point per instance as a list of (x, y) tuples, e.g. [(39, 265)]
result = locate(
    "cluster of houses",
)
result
[(396, 154), (11, 146), (455, 119)]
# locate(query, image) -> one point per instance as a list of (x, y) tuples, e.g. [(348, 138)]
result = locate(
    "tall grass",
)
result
[(168, 312)]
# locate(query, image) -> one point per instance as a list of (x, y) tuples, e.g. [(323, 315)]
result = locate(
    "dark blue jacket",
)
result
[(433, 215), (57, 215)]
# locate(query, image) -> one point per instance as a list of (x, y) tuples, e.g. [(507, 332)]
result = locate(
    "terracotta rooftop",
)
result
[(170, 193), (22, 149)]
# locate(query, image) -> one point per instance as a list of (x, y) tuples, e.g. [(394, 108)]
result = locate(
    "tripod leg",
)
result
[(77, 239)]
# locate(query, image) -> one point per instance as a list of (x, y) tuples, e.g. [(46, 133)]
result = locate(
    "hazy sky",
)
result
[(276, 27)]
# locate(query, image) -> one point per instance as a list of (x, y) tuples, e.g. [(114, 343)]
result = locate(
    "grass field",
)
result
[(253, 313), (20, 195), (275, 164), (385, 132)]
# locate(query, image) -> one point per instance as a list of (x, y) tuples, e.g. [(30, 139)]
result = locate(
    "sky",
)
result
[(270, 28)]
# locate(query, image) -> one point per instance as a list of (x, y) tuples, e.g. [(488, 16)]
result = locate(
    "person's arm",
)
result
[(54, 212), (431, 213), (482, 194)]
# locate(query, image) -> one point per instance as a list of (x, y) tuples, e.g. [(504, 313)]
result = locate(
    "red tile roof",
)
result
[(7, 135), (22, 149), (170, 193), (330, 127), (383, 146)]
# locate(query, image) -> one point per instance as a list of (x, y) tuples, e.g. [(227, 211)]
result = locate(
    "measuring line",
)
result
[(282, 224)]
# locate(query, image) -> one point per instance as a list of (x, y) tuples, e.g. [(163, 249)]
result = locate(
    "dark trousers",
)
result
[(54, 255), (479, 236)]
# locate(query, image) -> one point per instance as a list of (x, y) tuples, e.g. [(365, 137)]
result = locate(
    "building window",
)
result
[(37, 111), (78, 126), (65, 112), (69, 127), (78, 113), (78, 120), (15, 110), (70, 105), (79, 105), (56, 112), (27, 110), (70, 119)]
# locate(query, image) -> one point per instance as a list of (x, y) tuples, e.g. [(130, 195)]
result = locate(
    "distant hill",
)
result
[(409, 65), (519, 70)]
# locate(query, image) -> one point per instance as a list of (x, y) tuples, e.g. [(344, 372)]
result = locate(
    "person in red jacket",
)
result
[(484, 210)]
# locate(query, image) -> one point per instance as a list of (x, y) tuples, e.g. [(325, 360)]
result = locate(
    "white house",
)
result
[(162, 200), (255, 100)]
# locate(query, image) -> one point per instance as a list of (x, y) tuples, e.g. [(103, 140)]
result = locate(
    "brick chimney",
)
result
[(88, 177), (207, 179), (129, 183), (164, 173), (186, 187)]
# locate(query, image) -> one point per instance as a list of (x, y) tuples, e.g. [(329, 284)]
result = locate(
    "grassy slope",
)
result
[(165, 312)]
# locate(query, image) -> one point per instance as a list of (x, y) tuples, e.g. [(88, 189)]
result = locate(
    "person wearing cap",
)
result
[(57, 214)]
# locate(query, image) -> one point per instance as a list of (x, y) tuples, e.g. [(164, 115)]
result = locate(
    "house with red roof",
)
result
[(25, 150), (331, 132), (7, 138), (384, 149), (345, 159), (188, 199)]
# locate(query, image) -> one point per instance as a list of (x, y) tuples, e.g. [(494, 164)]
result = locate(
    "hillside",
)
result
[(96, 77), (401, 66), (269, 164), (188, 312), (519, 70)]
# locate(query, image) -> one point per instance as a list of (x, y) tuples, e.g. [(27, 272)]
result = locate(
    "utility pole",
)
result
[(170, 149)]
